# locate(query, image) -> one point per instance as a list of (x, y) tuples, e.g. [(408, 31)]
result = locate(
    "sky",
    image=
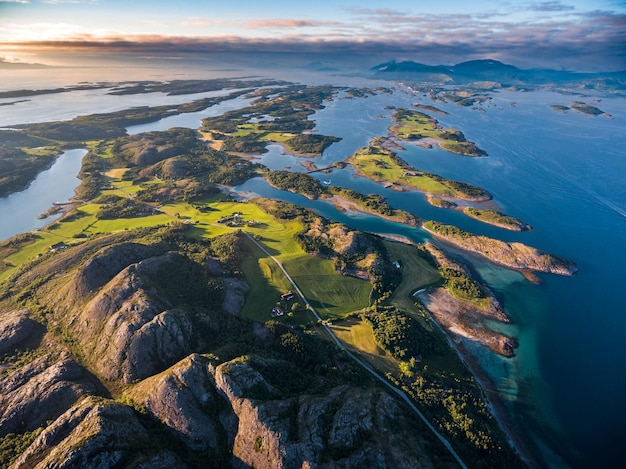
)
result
[(585, 35)]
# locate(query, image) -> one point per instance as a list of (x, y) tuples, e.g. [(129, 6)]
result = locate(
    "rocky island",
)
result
[(514, 255)]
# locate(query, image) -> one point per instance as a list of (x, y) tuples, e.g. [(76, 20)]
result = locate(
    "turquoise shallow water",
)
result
[(566, 176)]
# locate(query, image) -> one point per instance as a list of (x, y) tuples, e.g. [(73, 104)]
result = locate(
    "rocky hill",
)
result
[(121, 352)]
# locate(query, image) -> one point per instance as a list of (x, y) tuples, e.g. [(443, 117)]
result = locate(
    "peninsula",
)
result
[(513, 255)]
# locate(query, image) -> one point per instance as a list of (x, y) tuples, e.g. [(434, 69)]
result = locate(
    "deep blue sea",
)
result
[(564, 174)]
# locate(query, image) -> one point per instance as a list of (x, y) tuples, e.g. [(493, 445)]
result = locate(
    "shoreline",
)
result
[(496, 406), (563, 266)]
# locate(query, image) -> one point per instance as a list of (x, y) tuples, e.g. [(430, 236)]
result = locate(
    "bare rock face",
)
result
[(184, 399), (93, 434), (235, 295), (107, 264), (40, 391), (345, 428), (128, 330), (15, 327), (218, 409)]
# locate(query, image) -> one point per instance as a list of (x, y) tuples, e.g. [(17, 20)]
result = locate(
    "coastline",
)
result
[(495, 405), (534, 260), (343, 204)]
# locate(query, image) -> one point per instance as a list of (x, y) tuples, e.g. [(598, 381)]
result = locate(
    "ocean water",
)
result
[(565, 174)]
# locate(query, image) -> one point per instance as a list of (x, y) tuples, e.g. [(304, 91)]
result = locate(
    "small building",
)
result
[(60, 246), (286, 296), (396, 264), (277, 311)]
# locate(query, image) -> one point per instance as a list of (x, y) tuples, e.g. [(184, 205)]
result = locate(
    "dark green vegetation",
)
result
[(462, 287), (414, 126), (493, 217), (401, 335), (299, 183), (448, 395), (18, 166), (311, 143)]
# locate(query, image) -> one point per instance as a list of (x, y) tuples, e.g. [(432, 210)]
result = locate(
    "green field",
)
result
[(358, 336), (330, 293), (380, 165), (416, 274)]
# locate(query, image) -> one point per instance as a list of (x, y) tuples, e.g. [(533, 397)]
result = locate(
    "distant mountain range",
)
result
[(493, 71)]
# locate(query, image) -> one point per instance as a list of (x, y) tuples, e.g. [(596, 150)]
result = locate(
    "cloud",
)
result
[(374, 11), (574, 39), (547, 47), (551, 6), (287, 23)]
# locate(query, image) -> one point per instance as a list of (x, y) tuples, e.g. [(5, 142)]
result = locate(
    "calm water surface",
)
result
[(19, 211)]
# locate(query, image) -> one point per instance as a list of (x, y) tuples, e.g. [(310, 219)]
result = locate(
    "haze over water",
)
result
[(564, 175)]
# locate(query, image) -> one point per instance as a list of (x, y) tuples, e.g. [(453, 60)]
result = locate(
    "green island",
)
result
[(496, 218), (386, 167), (416, 126), (343, 198), (155, 283), (489, 216), (275, 116)]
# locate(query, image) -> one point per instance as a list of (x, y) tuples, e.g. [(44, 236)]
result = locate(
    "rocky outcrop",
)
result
[(95, 433), (462, 319), (513, 255), (345, 427), (109, 261), (220, 409), (15, 328), (40, 391), (128, 330), (185, 400)]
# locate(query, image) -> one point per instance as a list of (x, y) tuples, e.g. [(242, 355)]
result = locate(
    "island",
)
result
[(582, 108), (384, 166), (419, 127)]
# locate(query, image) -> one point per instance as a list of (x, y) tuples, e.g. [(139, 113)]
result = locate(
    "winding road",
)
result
[(358, 360)]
